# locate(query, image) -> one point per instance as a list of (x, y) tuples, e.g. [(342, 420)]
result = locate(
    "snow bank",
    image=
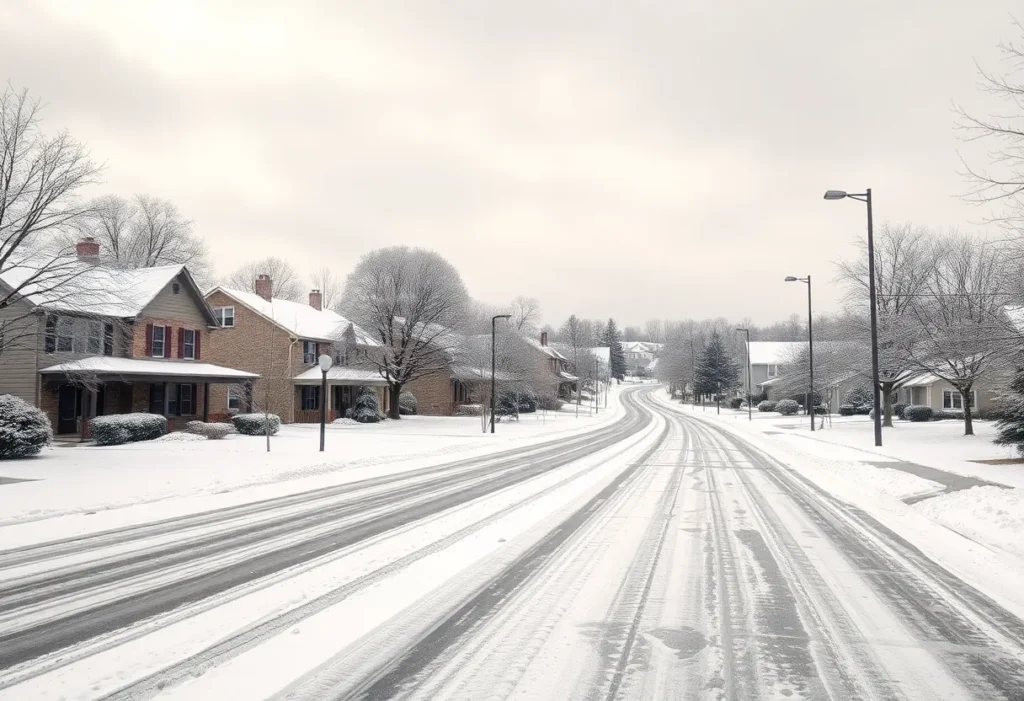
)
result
[(180, 438), (989, 514)]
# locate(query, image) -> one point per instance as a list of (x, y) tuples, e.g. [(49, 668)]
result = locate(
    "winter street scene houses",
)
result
[(506, 351)]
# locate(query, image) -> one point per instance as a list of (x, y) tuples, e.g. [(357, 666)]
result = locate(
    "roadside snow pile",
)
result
[(344, 422), (987, 514), (180, 437)]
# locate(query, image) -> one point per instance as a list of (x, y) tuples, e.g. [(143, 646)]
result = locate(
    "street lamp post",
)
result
[(325, 363), (876, 393), (597, 385), (750, 389), (810, 343), (494, 362)]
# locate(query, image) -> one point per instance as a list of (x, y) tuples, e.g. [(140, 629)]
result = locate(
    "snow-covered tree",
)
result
[(367, 408), (287, 284), (717, 370), (1011, 414), (330, 286), (617, 357)]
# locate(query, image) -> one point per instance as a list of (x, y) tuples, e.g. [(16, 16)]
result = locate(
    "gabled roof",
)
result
[(547, 350), (299, 319), (71, 285)]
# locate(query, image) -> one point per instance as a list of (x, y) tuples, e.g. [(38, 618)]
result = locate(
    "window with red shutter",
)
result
[(181, 342), (149, 340), (197, 343), (168, 341)]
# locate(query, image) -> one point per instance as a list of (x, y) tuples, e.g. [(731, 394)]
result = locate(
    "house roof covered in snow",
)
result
[(640, 347), (300, 319), (341, 374), (547, 350), (774, 352), (107, 365), (72, 285)]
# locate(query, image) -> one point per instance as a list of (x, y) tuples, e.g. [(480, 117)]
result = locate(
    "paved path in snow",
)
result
[(661, 558)]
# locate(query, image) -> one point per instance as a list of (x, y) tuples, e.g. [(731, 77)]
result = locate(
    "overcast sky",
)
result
[(634, 159)]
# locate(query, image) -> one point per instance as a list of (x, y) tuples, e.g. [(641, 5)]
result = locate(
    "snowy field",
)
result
[(166, 478)]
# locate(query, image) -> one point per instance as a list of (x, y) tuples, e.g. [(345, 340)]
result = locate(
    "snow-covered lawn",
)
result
[(199, 475)]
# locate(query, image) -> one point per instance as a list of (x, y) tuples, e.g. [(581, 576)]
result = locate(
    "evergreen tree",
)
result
[(1011, 414), (367, 408), (617, 357), (717, 371)]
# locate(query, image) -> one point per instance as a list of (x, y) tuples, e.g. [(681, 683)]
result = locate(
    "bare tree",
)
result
[(287, 284), (1004, 179), (145, 232), (905, 260), (525, 313), (330, 286), (962, 330), (654, 329), (411, 300), (39, 179)]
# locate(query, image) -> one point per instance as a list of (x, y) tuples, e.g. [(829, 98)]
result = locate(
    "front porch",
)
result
[(343, 386), (73, 393)]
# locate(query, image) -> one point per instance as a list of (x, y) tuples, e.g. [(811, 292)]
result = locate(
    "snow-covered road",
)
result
[(659, 557)]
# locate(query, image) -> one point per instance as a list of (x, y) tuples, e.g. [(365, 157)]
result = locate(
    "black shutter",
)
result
[(51, 333), (108, 339)]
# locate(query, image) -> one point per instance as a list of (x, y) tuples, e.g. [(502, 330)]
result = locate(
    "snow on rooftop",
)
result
[(774, 352), (548, 350), (301, 319), (106, 365), (341, 373), (68, 284)]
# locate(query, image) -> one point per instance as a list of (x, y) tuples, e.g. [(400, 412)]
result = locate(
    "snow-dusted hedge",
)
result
[(898, 408), (918, 413), (127, 428), (846, 410), (549, 403), (407, 404), (468, 410), (24, 429), (766, 405), (948, 414), (787, 407), (256, 424), (212, 431)]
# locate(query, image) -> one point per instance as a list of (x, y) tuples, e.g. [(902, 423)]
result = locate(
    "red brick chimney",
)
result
[(316, 300), (265, 287), (543, 338), (88, 249)]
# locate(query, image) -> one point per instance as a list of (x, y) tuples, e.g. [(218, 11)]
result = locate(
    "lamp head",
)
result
[(835, 195), (325, 362), (790, 278)]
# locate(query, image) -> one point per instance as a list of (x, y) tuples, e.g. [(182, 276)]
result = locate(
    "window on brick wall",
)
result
[(236, 394), (310, 400), (188, 344), (309, 352), (159, 341), (225, 316)]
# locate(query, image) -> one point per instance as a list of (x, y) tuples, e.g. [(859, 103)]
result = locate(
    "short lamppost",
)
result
[(876, 392), (810, 344), (597, 385), (325, 363), (750, 389), (494, 362)]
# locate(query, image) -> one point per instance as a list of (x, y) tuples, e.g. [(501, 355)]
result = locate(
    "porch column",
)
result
[(206, 402), (167, 400)]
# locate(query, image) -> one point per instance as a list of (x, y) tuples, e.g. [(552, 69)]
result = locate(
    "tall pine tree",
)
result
[(617, 357), (717, 371), (1011, 414)]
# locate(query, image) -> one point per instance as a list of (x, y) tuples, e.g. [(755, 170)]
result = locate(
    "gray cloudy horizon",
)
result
[(634, 160)]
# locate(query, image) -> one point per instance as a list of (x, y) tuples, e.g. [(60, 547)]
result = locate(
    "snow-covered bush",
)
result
[(918, 413), (859, 396), (766, 405), (787, 407), (736, 402), (367, 409), (212, 431), (127, 428), (940, 414), (24, 429), (846, 409), (468, 410), (549, 403), (898, 408), (407, 404), (256, 424)]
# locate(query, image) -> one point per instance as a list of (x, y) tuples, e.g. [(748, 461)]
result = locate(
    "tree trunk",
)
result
[(886, 404), (968, 419), (395, 390)]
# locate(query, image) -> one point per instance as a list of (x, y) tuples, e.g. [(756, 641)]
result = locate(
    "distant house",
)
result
[(767, 357), (111, 341), (926, 389), (282, 340), (640, 356), (561, 382)]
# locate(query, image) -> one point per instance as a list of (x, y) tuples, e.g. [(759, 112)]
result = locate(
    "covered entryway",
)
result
[(343, 385)]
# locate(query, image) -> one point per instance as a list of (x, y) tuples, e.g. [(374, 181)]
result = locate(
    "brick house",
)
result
[(105, 340), (560, 382), (281, 341)]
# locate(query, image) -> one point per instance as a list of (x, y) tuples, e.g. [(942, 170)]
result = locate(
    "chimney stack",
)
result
[(88, 249), (316, 300), (543, 338), (265, 287)]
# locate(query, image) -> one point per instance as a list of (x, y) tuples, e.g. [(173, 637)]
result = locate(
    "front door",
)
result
[(69, 401)]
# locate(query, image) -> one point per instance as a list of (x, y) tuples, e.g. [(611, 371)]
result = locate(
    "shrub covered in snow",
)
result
[(24, 429), (787, 407), (947, 414), (468, 410), (898, 408), (127, 428), (549, 403), (213, 431), (367, 409), (859, 396), (736, 402), (407, 404), (256, 424), (918, 413), (766, 405), (846, 409)]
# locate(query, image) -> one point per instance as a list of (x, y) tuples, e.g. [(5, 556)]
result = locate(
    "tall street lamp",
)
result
[(494, 362), (750, 389), (810, 343), (876, 393), (325, 363)]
